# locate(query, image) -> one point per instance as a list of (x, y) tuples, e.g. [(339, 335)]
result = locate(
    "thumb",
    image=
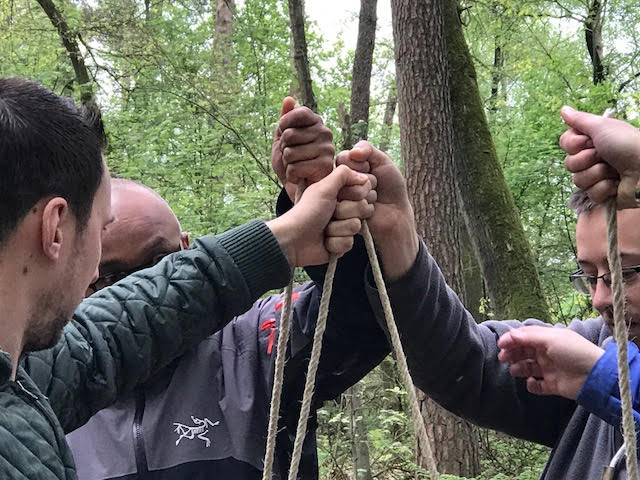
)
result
[(340, 177), (365, 152), (288, 104), (584, 122)]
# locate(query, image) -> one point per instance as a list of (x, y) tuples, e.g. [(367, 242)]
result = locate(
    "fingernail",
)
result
[(567, 109)]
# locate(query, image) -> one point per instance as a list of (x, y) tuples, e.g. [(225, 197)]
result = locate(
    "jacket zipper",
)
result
[(138, 436)]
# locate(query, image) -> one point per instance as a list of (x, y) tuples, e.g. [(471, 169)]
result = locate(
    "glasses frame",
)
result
[(109, 279), (585, 284)]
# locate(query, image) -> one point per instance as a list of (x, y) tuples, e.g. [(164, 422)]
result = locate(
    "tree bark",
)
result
[(300, 59), (70, 42), (593, 37), (222, 34), (360, 444), (490, 213), (387, 122), (427, 141), (361, 78)]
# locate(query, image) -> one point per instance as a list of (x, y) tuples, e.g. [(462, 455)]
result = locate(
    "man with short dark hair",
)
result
[(55, 193)]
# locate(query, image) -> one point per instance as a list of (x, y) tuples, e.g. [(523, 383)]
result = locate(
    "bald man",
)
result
[(146, 231)]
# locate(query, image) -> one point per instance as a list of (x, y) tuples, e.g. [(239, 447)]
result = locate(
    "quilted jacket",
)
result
[(121, 336)]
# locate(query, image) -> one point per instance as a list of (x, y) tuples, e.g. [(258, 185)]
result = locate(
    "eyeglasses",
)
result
[(111, 278), (587, 283)]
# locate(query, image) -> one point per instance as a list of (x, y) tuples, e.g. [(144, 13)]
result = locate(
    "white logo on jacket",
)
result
[(200, 430)]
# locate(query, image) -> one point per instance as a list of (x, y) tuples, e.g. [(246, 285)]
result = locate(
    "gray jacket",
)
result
[(205, 417), (455, 361)]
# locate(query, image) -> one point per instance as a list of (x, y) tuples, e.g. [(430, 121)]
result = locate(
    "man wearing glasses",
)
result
[(523, 378)]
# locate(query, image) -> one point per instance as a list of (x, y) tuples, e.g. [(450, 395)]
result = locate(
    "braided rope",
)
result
[(278, 374), (418, 422), (314, 361), (620, 335)]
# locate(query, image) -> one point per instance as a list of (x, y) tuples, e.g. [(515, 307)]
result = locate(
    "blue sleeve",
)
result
[(600, 394)]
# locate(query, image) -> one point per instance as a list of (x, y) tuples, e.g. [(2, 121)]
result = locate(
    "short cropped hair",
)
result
[(580, 202), (47, 148)]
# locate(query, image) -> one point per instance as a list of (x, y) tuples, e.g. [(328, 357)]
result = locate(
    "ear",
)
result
[(184, 240), (54, 215)]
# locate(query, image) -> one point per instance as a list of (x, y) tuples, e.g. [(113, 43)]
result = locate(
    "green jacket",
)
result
[(141, 324)]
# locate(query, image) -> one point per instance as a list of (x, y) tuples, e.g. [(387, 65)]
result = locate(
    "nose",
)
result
[(601, 296)]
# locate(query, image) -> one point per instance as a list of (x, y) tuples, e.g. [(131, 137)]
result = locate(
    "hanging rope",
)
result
[(314, 361), (620, 336)]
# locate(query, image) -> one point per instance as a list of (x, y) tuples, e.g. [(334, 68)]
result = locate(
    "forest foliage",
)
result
[(193, 117)]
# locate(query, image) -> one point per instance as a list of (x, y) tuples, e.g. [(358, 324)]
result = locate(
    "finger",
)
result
[(364, 151), (298, 118), (583, 122), (526, 368), (585, 179), (354, 164), (355, 192), (602, 190), (288, 104), (573, 142), (539, 386), (342, 176), (338, 245), (308, 151), (516, 353), (350, 209), (299, 136), (582, 160), (343, 228), (312, 170), (530, 336)]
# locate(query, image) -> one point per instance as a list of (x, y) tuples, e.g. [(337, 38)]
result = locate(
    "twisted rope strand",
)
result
[(312, 369), (278, 377), (278, 374), (418, 422), (620, 335)]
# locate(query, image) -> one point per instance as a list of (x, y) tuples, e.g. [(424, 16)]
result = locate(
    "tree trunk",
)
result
[(360, 444), (361, 79), (387, 122), (70, 41), (490, 213), (593, 37), (222, 35), (299, 47), (427, 141)]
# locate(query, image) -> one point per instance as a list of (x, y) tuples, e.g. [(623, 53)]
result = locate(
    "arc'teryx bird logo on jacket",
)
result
[(200, 430)]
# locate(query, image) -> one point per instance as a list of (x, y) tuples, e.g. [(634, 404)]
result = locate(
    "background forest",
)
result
[(465, 97)]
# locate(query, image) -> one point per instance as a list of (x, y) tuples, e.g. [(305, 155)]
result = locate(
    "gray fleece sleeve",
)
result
[(454, 359)]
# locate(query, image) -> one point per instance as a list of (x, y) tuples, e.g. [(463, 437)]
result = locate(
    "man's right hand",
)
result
[(325, 219), (392, 225), (603, 154)]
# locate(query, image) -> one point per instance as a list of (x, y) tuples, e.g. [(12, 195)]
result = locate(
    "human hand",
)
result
[(603, 155), (555, 361), (302, 147), (392, 224), (325, 219)]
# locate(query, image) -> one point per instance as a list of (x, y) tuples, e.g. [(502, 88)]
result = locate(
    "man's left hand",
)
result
[(302, 147)]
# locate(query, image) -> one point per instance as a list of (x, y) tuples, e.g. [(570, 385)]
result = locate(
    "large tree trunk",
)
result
[(361, 79), (490, 213), (299, 47), (427, 141), (222, 34)]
